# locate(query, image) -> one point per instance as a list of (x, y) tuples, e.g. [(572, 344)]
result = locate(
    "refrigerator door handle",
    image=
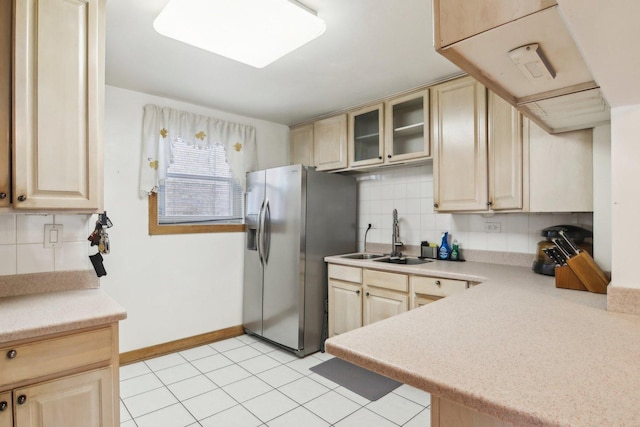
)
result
[(260, 233), (266, 232)]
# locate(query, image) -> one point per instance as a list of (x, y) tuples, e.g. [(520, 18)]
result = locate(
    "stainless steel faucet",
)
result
[(395, 238)]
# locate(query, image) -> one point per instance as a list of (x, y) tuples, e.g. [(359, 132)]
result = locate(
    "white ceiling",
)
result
[(371, 49)]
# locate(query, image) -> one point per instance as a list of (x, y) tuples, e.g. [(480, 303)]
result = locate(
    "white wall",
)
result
[(410, 190), (171, 286), (625, 176), (602, 196)]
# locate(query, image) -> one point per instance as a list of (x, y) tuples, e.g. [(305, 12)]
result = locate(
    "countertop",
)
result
[(34, 315), (514, 347)]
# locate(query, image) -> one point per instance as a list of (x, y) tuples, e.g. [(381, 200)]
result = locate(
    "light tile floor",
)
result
[(245, 382)]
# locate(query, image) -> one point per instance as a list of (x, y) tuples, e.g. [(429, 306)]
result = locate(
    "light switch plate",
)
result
[(52, 235)]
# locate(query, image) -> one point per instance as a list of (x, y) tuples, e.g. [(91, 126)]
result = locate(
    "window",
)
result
[(193, 171), (198, 193), (199, 187)]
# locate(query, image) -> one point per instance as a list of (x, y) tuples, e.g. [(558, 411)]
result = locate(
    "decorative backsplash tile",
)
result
[(22, 248), (410, 191)]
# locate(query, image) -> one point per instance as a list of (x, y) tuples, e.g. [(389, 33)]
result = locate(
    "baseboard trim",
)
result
[(179, 345)]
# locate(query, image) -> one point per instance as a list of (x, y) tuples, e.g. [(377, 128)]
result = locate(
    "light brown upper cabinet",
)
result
[(504, 127), (301, 145), (524, 52), (330, 143), (366, 136), (407, 127), (58, 98), (459, 136), (5, 103), (558, 170), (491, 159)]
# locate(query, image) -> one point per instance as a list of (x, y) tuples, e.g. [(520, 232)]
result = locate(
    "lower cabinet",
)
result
[(445, 413), (380, 304), (345, 307), (425, 290), (359, 297), (83, 400), (6, 412), (345, 298), (385, 295), (68, 380)]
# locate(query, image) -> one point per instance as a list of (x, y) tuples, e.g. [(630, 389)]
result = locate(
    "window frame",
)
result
[(161, 229)]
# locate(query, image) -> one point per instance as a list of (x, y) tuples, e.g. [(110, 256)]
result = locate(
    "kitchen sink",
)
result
[(409, 261), (362, 256)]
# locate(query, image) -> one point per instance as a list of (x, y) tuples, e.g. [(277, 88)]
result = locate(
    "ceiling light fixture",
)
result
[(255, 32), (532, 62)]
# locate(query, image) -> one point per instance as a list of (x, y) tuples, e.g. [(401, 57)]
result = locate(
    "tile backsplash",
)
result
[(410, 191), (22, 248)]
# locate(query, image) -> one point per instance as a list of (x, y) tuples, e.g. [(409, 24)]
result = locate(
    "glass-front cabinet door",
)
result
[(407, 127), (366, 136)]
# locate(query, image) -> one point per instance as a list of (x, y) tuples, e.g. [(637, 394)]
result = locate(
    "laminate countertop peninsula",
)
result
[(514, 347)]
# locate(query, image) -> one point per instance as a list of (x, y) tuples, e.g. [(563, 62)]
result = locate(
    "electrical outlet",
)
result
[(492, 227)]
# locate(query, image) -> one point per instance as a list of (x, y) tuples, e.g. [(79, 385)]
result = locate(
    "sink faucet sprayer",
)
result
[(395, 238)]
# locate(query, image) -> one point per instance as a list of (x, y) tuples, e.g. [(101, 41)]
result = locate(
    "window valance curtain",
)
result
[(161, 126)]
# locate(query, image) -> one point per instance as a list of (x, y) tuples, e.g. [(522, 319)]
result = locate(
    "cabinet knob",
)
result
[(489, 203), (388, 156), (435, 205), (3, 405), (358, 292), (367, 294), (379, 157), (22, 198), (438, 282), (22, 399), (11, 354), (3, 196)]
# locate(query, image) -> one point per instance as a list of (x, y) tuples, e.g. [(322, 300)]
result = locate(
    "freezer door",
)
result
[(253, 271), (283, 275)]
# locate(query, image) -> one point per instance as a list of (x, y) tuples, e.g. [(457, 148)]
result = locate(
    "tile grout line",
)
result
[(304, 374)]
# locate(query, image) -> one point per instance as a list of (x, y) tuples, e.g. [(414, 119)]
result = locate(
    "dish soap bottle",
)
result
[(444, 246), (455, 252)]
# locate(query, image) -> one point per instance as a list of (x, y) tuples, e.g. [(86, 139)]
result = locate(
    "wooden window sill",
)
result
[(158, 229)]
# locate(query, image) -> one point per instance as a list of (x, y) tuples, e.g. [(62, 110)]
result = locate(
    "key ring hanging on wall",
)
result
[(99, 237)]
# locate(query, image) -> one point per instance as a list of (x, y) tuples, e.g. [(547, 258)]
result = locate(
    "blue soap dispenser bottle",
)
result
[(445, 250)]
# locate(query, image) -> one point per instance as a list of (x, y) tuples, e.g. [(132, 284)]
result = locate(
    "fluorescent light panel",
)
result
[(255, 32)]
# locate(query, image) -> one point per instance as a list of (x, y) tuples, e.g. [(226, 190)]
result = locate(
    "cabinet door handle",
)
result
[(438, 282), (22, 399), (3, 196), (11, 354), (22, 198), (3, 405)]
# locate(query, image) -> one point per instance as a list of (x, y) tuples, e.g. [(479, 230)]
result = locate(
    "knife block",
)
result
[(567, 279), (586, 269)]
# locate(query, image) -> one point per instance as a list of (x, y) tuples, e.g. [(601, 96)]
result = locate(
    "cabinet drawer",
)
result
[(348, 274), (437, 287), (46, 357), (382, 279)]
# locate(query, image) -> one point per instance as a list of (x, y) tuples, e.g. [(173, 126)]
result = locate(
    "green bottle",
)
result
[(454, 251)]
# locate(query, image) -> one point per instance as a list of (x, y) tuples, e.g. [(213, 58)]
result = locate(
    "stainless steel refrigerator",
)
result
[(295, 217)]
